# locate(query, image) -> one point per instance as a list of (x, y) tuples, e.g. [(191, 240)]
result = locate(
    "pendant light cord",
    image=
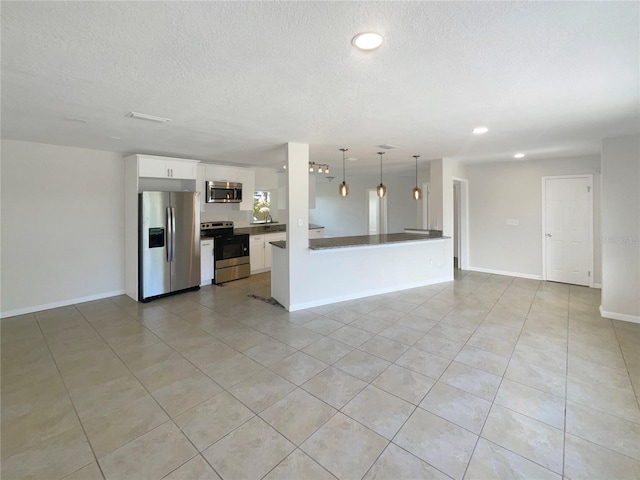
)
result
[(343, 172)]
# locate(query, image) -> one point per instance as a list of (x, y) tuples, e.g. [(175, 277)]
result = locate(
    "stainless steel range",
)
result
[(230, 251)]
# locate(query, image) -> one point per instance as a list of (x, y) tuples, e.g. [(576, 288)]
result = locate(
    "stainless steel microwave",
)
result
[(223, 192)]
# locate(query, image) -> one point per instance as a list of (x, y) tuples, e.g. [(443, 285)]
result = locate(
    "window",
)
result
[(261, 205)]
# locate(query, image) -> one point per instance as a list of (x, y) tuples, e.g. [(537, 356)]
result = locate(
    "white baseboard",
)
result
[(620, 316), (597, 285), (368, 293), (63, 303), (508, 274)]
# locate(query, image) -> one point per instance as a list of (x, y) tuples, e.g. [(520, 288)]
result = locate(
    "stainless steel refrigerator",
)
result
[(169, 243)]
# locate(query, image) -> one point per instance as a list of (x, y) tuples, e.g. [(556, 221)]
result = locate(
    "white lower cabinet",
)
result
[(261, 250), (272, 237), (316, 233), (256, 253), (206, 262)]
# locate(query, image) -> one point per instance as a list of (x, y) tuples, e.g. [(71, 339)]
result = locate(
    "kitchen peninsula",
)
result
[(365, 240), (337, 269)]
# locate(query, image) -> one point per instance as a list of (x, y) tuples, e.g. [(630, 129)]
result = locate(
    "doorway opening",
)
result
[(377, 218), (460, 224), (425, 206)]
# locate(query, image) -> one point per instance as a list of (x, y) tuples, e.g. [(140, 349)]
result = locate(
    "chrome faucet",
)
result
[(268, 219)]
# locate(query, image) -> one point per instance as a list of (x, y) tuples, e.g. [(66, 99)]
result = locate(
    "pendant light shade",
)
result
[(417, 193), (382, 189), (343, 189)]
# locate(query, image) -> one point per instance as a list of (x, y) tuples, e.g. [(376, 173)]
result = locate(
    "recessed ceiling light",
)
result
[(351, 159), (114, 138), (75, 119), (480, 130), (367, 40), (146, 116), (388, 146), (519, 155)]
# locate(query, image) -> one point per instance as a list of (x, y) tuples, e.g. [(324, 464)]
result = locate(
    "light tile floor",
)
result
[(485, 377)]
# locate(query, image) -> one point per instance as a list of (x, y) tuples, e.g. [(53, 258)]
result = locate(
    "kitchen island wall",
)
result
[(62, 226)]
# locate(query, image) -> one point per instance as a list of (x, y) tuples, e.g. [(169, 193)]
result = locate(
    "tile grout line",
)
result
[(86, 437), (150, 395), (466, 468), (626, 364)]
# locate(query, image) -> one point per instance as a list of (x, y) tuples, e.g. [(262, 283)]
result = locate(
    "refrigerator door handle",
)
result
[(173, 234), (169, 234)]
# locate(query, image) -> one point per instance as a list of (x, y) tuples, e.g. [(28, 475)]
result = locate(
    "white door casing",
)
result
[(377, 213), (567, 229), (463, 222)]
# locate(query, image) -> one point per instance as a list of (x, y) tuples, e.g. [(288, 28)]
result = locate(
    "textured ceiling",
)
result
[(239, 79)]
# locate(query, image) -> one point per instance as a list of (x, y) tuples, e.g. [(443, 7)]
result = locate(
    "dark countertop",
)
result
[(364, 240), (422, 231), (268, 228)]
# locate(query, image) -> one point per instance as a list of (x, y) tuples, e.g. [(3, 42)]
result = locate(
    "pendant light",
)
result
[(417, 193), (382, 190), (343, 188)]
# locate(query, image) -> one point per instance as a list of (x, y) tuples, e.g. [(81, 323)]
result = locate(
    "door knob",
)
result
[(549, 235)]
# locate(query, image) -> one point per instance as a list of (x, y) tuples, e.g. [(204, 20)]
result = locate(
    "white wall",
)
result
[(620, 210), (340, 274), (513, 190), (346, 216), (62, 226), (288, 265)]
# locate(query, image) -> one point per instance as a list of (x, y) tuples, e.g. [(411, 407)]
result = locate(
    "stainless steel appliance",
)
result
[(223, 192), (230, 251), (169, 243)]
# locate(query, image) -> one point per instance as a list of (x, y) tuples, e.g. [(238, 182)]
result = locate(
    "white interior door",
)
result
[(568, 240)]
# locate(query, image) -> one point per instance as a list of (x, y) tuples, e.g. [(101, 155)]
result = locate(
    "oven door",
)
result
[(231, 250)]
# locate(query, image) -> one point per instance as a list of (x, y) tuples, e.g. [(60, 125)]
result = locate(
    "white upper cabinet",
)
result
[(166, 167), (247, 179), (226, 173), (222, 173)]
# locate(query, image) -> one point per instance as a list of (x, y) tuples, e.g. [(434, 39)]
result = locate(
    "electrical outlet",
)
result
[(299, 222), (513, 221)]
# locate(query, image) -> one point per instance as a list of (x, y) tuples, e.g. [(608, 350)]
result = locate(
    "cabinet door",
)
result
[(152, 167), (159, 167), (316, 233), (206, 262), (247, 177), (182, 170), (222, 173), (272, 237), (256, 252)]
